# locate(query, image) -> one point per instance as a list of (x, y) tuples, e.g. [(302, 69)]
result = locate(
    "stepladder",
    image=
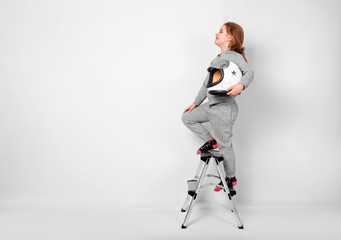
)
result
[(196, 184)]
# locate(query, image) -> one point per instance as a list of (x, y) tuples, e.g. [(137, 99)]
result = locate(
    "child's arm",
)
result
[(202, 94), (246, 71)]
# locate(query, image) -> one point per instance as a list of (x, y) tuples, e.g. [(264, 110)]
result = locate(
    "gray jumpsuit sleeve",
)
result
[(246, 71), (202, 94)]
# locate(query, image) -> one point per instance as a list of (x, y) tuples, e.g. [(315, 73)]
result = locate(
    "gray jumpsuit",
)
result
[(220, 111)]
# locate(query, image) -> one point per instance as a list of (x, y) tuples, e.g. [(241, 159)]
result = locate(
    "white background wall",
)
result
[(92, 94)]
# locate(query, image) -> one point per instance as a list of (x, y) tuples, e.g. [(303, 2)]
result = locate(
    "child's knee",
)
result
[(184, 118)]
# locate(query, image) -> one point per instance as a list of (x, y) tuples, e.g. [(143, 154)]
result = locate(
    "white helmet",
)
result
[(223, 75)]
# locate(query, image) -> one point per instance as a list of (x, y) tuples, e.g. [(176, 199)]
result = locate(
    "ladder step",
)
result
[(211, 153)]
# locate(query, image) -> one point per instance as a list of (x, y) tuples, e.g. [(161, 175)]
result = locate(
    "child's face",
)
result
[(222, 37)]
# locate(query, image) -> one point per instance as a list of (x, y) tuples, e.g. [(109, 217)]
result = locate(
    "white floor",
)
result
[(315, 221)]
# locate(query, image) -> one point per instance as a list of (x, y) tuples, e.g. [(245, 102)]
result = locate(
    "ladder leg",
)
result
[(184, 208), (196, 176), (193, 194), (232, 205), (199, 169)]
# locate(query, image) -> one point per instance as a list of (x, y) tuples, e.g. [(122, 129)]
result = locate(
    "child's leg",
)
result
[(222, 117), (193, 121)]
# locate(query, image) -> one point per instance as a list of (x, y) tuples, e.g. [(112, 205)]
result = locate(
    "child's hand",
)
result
[(190, 108), (235, 89)]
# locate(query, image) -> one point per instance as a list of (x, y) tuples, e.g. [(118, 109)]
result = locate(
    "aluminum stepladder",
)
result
[(194, 185)]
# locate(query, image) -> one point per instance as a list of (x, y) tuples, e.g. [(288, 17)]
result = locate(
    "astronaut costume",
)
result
[(227, 69)]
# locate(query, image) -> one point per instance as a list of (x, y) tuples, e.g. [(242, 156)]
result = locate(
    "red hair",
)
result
[(238, 37)]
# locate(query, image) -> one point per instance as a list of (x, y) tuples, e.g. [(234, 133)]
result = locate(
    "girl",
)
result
[(221, 111)]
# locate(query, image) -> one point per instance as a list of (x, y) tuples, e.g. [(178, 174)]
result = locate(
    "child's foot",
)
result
[(230, 183), (210, 144)]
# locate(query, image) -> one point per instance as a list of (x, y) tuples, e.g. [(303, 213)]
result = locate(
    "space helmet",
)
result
[(222, 75)]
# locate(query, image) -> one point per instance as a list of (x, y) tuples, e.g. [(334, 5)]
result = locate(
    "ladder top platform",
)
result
[(211, 153)]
